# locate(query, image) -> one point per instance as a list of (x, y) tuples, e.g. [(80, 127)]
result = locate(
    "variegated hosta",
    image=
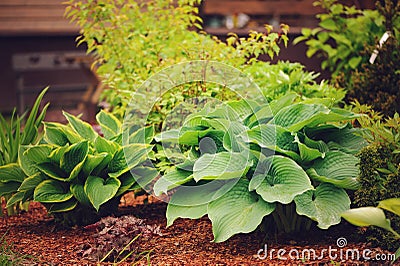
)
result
[(81, 175), (278, 156)]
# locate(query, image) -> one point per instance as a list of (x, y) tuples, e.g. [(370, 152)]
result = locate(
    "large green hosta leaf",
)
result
[(366, 216), (307, 154), (11, 172), (284, 180), (171, 180), (186, 135), (237, 211), (80, 194), (54, 134), (128, 157), (83, 129), (324, 204), (109, 124), (95, 163), (275, 138), (392, 205), (295, 117), (30, 156), (192, 212), (7, 188), (61, 206), (99, 190), (223, 165), (143, 135), (31, 182), (74, 158), (338, 168), (52, 191)]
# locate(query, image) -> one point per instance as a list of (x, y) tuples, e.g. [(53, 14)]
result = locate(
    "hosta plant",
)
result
[(14, 133), (243, 161), (79, 175)]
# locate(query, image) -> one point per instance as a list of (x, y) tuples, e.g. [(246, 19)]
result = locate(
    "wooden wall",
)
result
[(33, 17)]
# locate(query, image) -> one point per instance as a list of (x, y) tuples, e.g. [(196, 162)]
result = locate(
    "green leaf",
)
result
[(297, 116), (93, 162), (232, 140), (324, 204), (31, 182), (171, 180), (223, 165), (307, 154), (67, 131), (109, 124), (284, 179), (52, 191), (144, 176), (74, 158), (79, 193), (54, 135), (127, 181), (191, 212), (355, 61), (99, 191), (11, 172), (392, 205), (82, 128), (338, 168), (53, 170), (8, 188), (275, 138), (103, 145), (144, 135), (30, 156), (237, 211), (367, 216), (74, 155), (17, 197), (328, 24), (127, 158), (66, 206)]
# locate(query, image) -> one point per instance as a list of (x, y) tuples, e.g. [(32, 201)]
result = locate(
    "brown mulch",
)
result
[(186, 242)]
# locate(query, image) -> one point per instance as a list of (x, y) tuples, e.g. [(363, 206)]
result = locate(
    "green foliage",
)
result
[(276, 80), (14, 133), (342, 35), (132, 40), (374, 216), (79, 175), (377, 84), (242, 161), (379, 167)]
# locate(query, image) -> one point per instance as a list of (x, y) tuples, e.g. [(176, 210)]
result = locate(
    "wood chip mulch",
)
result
[(187, 242)]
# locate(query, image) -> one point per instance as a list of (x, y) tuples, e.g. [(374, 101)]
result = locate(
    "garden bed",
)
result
[(186, 242)]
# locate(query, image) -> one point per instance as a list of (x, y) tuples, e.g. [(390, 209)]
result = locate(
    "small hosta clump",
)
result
[(117, 237)]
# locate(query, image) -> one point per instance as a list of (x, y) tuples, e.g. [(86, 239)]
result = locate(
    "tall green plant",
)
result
[(243, 161), (14, 133), (132, 40)]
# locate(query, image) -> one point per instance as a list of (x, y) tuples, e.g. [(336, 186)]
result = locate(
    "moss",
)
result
[(376, 186)]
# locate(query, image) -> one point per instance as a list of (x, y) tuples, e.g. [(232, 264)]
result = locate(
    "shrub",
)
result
[(377, 84), (13, 134), (243, 161), (79, 175), (133, 40), (342, 35), (276, 80), (379, 168)]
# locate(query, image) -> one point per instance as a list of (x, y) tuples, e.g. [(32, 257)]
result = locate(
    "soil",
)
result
[(187, 242)]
